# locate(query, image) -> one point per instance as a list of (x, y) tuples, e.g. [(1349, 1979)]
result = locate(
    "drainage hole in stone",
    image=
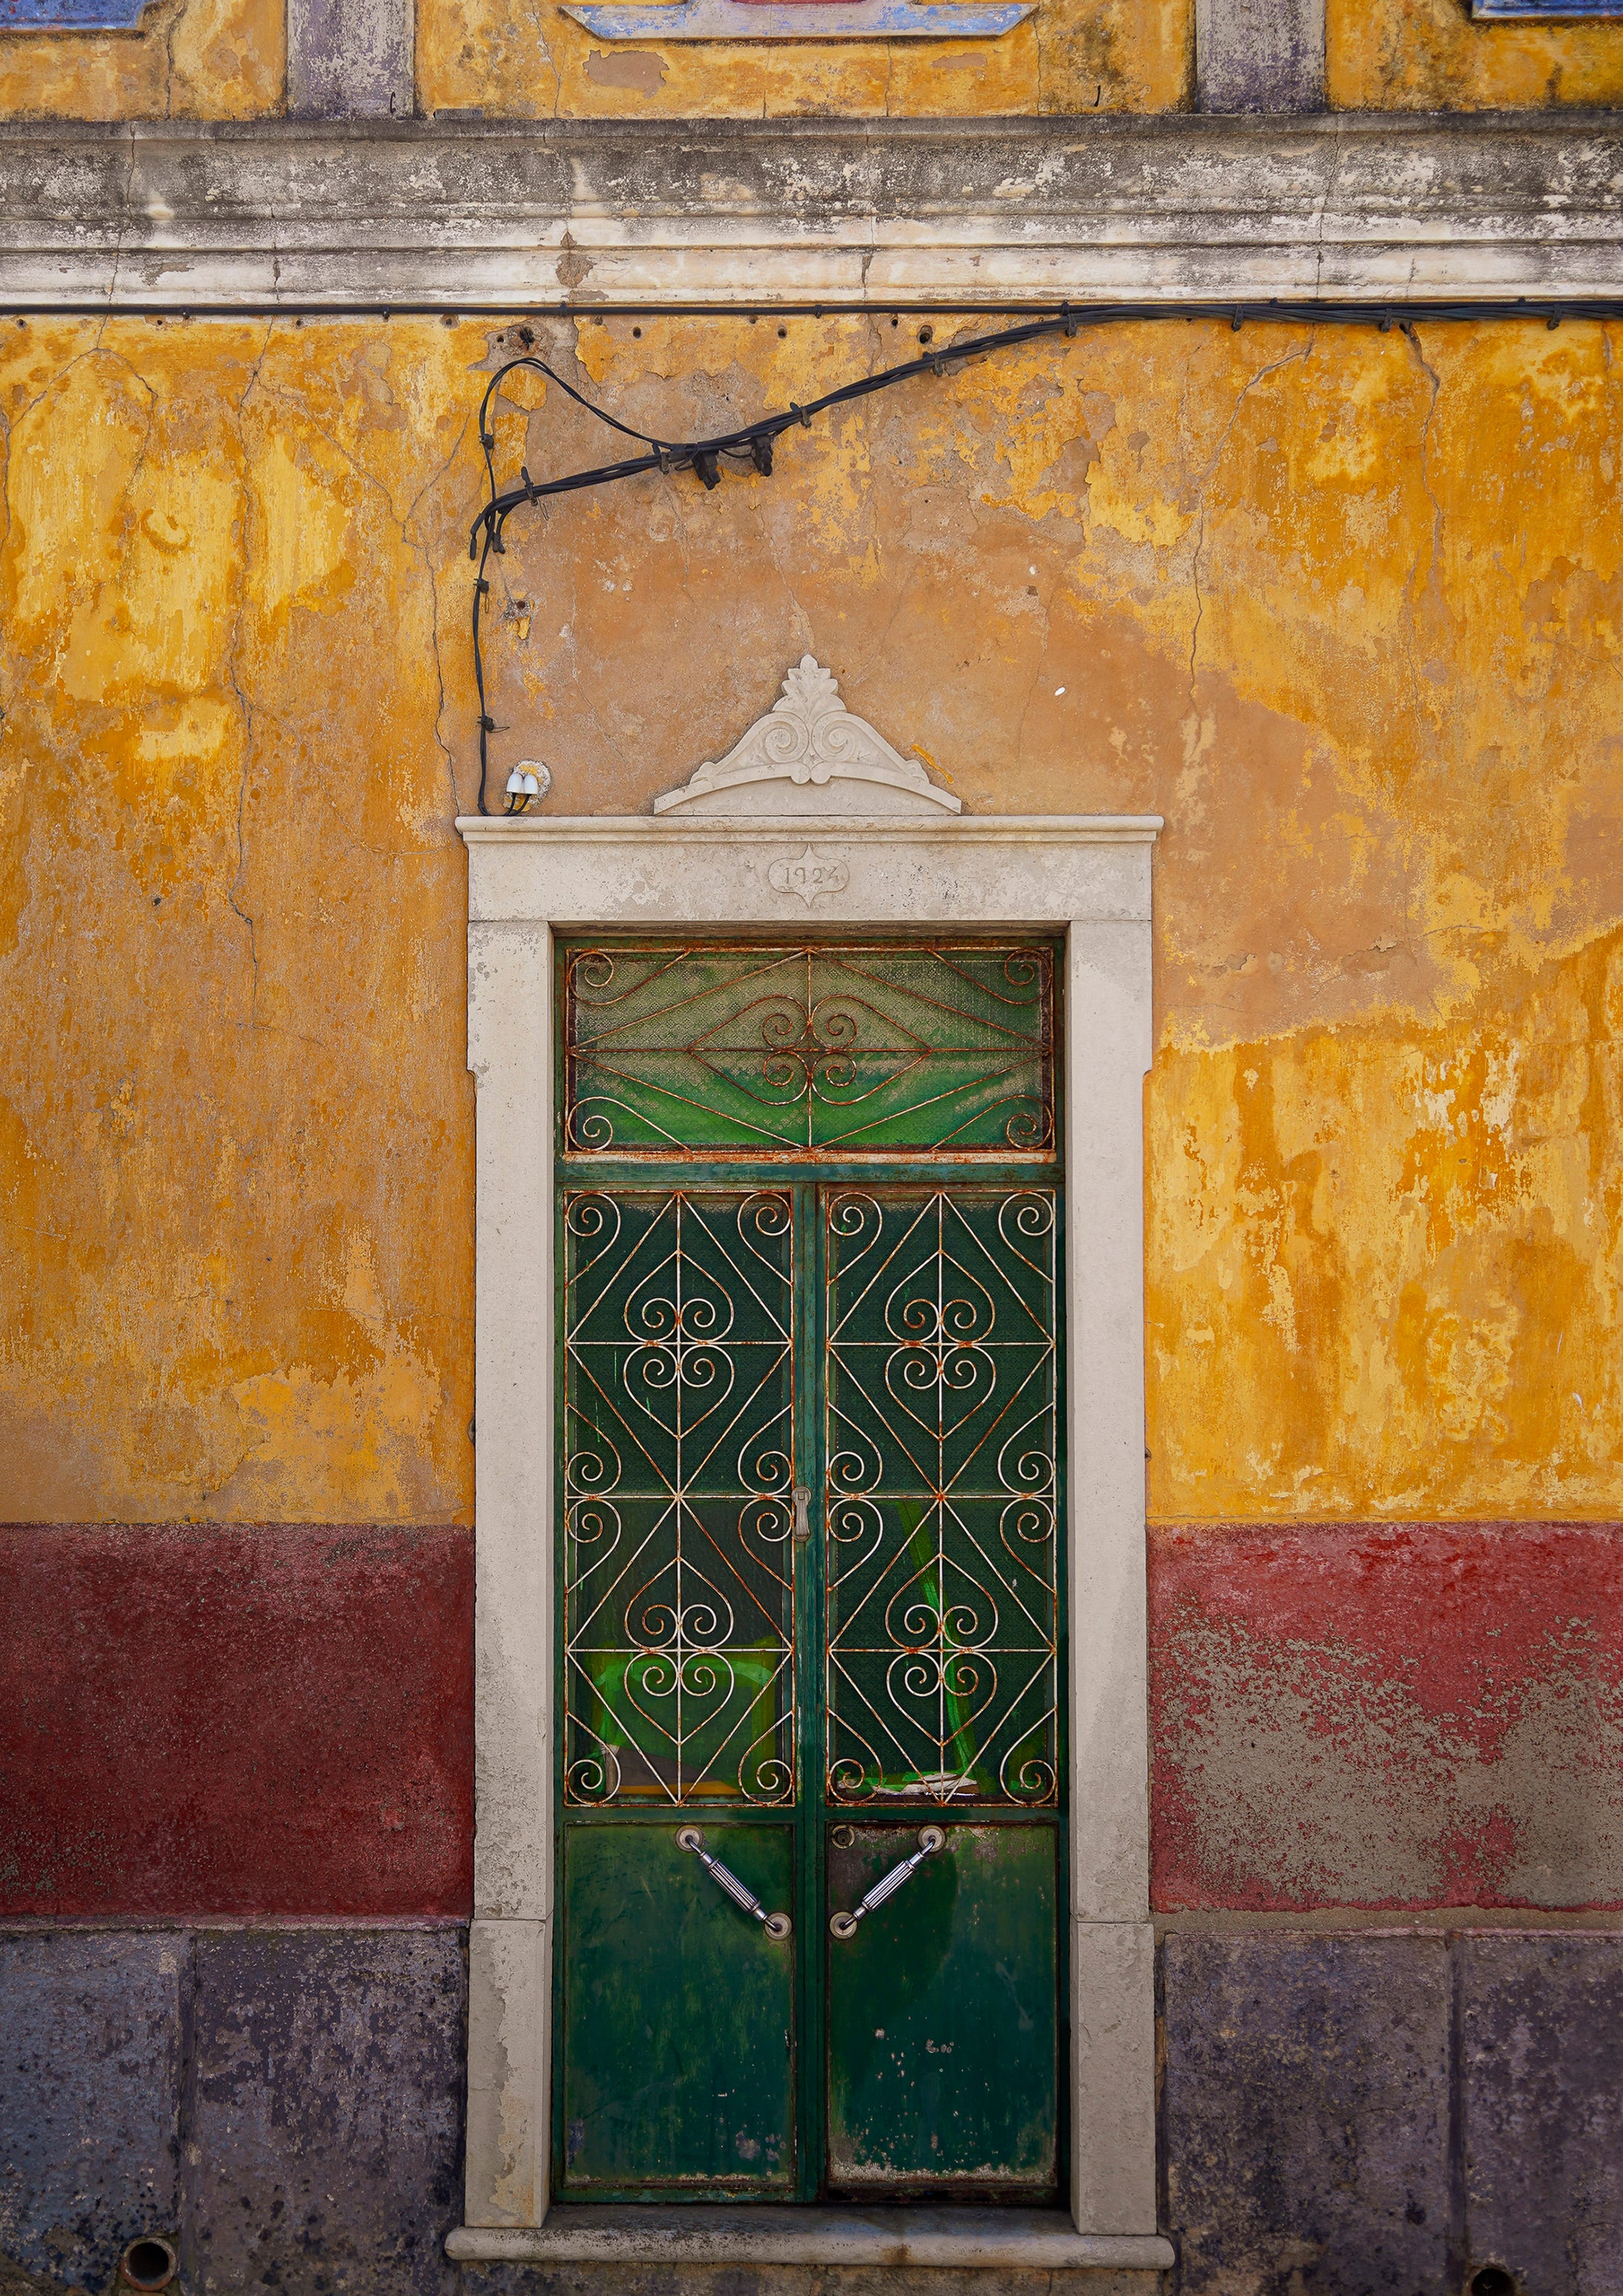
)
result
[(149, 2264), (1492, 2280)]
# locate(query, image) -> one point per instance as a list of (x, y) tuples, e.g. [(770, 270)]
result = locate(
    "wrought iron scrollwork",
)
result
[(679, 1508), (941, 1500), (894, 1049)]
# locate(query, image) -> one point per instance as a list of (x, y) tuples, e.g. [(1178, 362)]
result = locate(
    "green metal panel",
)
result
[(942, 2025), (678, 2054), (891, 1049)]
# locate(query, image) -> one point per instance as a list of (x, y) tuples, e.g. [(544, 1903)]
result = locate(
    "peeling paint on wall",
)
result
[(1429, 56), (1400, 1714), (234, 1125), (189, 60), (1344, 607)]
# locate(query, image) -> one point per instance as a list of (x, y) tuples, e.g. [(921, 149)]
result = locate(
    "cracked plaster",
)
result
[(1384, 1234), (188, 59)]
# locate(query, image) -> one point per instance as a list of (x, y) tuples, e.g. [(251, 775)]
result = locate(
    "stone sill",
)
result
[(950, 2239)]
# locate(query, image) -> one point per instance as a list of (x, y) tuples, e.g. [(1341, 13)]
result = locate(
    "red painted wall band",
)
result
[(268, 1719), (262, 1719), (1400, 1715)]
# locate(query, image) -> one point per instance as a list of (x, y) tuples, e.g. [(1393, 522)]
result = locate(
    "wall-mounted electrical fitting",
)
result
[(530, 779)]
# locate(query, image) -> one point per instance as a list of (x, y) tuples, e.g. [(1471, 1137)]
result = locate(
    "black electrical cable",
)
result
[(755, 439)]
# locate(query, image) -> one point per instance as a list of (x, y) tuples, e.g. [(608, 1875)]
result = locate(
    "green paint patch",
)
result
[(942, 2029), (678, 2059)]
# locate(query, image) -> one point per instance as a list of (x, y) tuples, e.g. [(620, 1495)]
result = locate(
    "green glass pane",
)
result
[(678, 1481), (941, 1494), (882, 1050)]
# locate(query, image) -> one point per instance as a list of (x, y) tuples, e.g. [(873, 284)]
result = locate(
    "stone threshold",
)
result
[(954, 2239)]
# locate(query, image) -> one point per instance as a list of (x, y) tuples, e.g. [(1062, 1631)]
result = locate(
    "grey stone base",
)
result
[(1345, 2114), (1340, 2114)]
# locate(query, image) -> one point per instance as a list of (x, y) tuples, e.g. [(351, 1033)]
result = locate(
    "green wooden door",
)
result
[(810, 1771)]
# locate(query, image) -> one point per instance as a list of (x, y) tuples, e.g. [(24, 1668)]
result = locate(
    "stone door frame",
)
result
[(837, 874)]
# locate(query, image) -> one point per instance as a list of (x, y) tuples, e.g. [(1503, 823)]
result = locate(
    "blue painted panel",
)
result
[(90, 2084), (800, 19), (71, 15), (1553, 11)]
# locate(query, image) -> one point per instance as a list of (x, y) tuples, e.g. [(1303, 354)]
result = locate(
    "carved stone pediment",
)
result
[(789, 760)]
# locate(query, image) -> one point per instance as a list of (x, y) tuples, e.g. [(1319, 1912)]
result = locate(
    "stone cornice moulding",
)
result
[(985, 869), (459, 215)]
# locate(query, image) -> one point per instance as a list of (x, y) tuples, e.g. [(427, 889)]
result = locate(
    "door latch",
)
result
[(802, 1514), (777, 1926), (844, 1925)]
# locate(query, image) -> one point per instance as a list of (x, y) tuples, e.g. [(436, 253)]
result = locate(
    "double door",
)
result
[(809, 1602)]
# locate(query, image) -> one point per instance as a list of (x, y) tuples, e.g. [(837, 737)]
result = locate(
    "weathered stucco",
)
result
[(1430, 55), (1386, 1714), (1344, 606), (528, 61), (189, 60), (236, 1125), (254, 1719)]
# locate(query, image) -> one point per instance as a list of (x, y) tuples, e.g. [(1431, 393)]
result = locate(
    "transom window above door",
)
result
[(888, 1049)]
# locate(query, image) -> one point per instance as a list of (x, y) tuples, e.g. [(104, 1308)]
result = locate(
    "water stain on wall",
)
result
[(1429, 56), (1344, 607)]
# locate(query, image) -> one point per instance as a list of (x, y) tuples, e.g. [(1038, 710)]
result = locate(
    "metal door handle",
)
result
[(844, 1925), (777, 1926), (802, 1512)]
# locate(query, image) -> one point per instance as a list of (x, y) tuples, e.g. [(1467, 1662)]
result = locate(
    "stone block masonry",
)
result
[(1339, 2112), (286, 2103), (1348, 2113)]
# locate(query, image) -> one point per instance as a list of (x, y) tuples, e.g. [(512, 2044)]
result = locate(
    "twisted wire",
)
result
[(486, 537)]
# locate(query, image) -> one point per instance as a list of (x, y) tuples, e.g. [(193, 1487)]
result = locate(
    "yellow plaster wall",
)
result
[(190, 60), (1347, 607), (526, 59), (1430, 55)]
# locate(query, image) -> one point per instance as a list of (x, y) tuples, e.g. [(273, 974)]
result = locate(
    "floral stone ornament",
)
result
[(807, 739)]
